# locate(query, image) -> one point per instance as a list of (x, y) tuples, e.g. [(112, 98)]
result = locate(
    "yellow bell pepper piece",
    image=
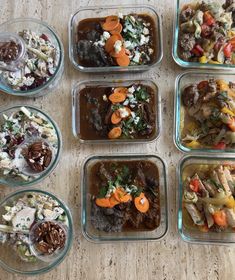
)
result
[(214, 62), (223, 85), (231, 34), (203, 59), (227, 111), (193, 144), (231, 202)]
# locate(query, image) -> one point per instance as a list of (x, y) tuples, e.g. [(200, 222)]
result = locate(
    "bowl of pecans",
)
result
[(30, 145)]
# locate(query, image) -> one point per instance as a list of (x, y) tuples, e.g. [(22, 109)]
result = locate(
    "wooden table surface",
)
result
[(169, 259)]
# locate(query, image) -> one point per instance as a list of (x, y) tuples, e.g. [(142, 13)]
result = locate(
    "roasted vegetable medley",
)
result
[(208, 197), (209, 115), (207, 33)]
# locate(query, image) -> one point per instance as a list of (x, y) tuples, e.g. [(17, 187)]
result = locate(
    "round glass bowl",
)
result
[(15, 181), (9, 258), (19, 24)]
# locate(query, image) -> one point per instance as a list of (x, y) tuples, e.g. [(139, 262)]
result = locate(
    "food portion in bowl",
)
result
[(28, 144), (208, 197), (39, 64), (117, 40), (206, 32), (208, 115), (117, 112), (34, 225), (124, 195)]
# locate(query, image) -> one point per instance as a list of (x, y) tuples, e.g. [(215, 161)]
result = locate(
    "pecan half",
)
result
[(38, 156), (49, 237)]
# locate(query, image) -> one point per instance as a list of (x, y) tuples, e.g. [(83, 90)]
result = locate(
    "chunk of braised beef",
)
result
[(186, 14), (104, 174), (190, 95), (96, 119)]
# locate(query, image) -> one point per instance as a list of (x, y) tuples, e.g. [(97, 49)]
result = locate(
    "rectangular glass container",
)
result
[(91, 234), (99, 12), (114, 83), (181, 82), (178, 5), (192, 234)]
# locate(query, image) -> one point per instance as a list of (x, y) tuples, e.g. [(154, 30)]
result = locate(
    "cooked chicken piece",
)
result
[(223, 180), (230, 180), (210, 187), (209, 218), (230, 213), (194, 214), (202, 188)]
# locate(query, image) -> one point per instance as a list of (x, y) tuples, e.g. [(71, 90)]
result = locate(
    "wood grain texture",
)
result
[(169, 259)]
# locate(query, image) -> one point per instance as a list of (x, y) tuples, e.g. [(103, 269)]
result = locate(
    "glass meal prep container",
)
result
[(117, 204), (42, 66), (206, 34), (30, 145), (137, 115), (204, 114), (36, 231), (99, 14), (206, 199)]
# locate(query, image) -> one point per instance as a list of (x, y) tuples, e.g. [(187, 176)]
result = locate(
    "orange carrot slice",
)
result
[(119, 54), (141, 203), (121, 196), (113, 201), (115, 118), (220, 218), (117, 30), (123, 60), (117, 97), (103, 202), (111, 23), (115, 132), (122, 90), (109, 45)]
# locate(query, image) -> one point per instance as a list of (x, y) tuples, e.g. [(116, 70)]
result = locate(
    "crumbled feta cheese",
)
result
[(123, 112), (143, 39), (120, 15), (133, 114), (105, 97), (150, 51), (128, 45), (106, 35), (118, 46), (126, 102), (130, 95), (145, 31), (131, 89), (136, 57), (136, 120), (28, 81), (142, 200)]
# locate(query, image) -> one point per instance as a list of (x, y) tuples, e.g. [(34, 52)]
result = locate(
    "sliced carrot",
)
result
[(113, 201), (117, 97), (121, 196), (119, 54), (115, 118), (141, 203), (111, 23), (123, 60), (121, 90), (109, 45), (114, 133), (220, 218), (117, 30), (103, 202)]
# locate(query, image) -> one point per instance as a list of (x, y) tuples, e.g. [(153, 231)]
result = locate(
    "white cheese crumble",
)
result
[(106, 35), (137, 57), (145, 31), (105, 97), (123, 112), (150, 51), (118, 46), (120, 15), (131, 89)]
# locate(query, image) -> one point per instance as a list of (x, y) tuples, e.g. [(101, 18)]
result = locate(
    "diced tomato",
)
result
[(231, 124), (197, 50), (44, 37), (194, 185), (220, 146), (228, 50), (205, 30), (208, 19)]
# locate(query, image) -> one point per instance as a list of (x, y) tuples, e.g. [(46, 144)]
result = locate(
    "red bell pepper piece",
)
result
[(194, 185), (228, 50), (197, 50), (208, 19), (220, 146)]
